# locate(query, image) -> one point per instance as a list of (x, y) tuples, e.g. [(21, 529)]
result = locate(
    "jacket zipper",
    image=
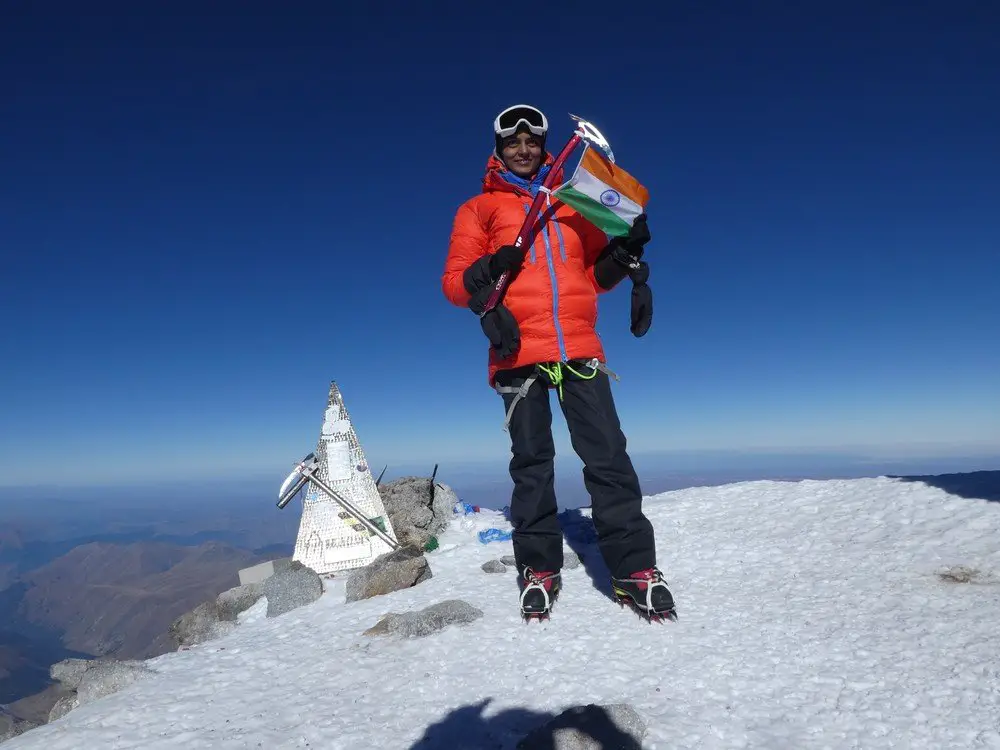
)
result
[(555, 286)]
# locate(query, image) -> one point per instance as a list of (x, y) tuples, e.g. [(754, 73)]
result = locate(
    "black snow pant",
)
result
[(625, 535)]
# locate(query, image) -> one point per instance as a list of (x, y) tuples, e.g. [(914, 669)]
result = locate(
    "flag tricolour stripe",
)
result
[(605, 194)]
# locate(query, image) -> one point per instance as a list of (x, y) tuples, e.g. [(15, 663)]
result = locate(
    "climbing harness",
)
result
[(554, 373)]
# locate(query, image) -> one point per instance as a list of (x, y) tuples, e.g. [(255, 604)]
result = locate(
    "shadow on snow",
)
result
[(581, 537), (468, 728)]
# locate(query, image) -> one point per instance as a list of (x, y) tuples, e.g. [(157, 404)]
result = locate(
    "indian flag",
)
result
[(604, 193)]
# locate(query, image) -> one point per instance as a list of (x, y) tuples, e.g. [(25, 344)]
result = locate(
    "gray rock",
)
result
[(203, 623), (494, 566), (108, 677), (417, 508), (101, 678), (426, 621), (570, 560), (69, 672), (63, 706), (291, 589), (443, 506), (237, 600), (216, 618), (393, 571), (11, 727), (590, 727)]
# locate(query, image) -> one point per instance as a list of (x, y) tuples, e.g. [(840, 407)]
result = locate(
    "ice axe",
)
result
[(585, 133), (305, 471)]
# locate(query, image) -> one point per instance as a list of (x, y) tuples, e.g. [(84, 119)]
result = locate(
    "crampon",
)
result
[(539, 592), (645, 593)]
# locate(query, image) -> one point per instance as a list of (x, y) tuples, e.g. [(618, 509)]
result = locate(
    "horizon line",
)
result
[(859, 456)]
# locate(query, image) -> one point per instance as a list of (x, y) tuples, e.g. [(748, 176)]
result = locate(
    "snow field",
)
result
[(811, 615)]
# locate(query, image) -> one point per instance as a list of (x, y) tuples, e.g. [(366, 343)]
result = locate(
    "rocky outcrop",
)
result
[(293, 587), (400, 569), (290, 589), (108, 677), (89, 681), (426, 621), (235, 601), (418, 508), (11, 727), (69, 672), (203, 623), (78, 682)]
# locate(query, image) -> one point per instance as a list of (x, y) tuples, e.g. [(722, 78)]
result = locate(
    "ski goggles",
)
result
[(510, 120)]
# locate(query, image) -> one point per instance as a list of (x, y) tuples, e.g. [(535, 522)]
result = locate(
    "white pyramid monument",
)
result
[(329, 538)]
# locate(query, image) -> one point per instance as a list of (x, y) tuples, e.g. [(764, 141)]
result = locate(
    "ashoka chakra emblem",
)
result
[(611, 198)]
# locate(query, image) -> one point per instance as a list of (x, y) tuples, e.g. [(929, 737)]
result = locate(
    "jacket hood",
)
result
[(494, 181)]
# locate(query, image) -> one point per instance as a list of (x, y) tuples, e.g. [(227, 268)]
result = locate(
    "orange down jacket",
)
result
[(554, 297)]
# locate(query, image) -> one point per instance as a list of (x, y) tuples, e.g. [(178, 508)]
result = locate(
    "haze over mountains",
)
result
[(103, 572)]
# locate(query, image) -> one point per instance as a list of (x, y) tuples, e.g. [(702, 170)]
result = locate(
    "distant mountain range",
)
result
[(119, 600), (72, 585), (104, 599)]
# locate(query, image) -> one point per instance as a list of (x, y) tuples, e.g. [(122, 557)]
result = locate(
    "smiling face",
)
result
[(522, 153)]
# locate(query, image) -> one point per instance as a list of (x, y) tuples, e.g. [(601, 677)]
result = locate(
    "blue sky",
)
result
[(209, 211)]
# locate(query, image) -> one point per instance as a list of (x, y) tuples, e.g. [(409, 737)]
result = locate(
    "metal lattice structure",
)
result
[(329, 538)]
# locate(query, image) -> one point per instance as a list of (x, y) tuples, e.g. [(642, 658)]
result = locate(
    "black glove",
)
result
[(498, 324), (616, 260), (485, 271), (638, 235), (641, 316), (506, 258), (501, 329), (478, 300)]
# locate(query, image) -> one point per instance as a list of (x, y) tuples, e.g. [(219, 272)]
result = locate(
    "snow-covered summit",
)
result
[(831, 614)]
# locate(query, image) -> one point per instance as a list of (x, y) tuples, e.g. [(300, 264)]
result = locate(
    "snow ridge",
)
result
[(855, 613)]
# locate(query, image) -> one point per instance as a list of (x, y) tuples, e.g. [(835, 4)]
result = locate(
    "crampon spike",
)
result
[(650, 617)]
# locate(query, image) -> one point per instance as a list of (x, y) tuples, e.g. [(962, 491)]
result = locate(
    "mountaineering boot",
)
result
[(538, 592), (647, 593)]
